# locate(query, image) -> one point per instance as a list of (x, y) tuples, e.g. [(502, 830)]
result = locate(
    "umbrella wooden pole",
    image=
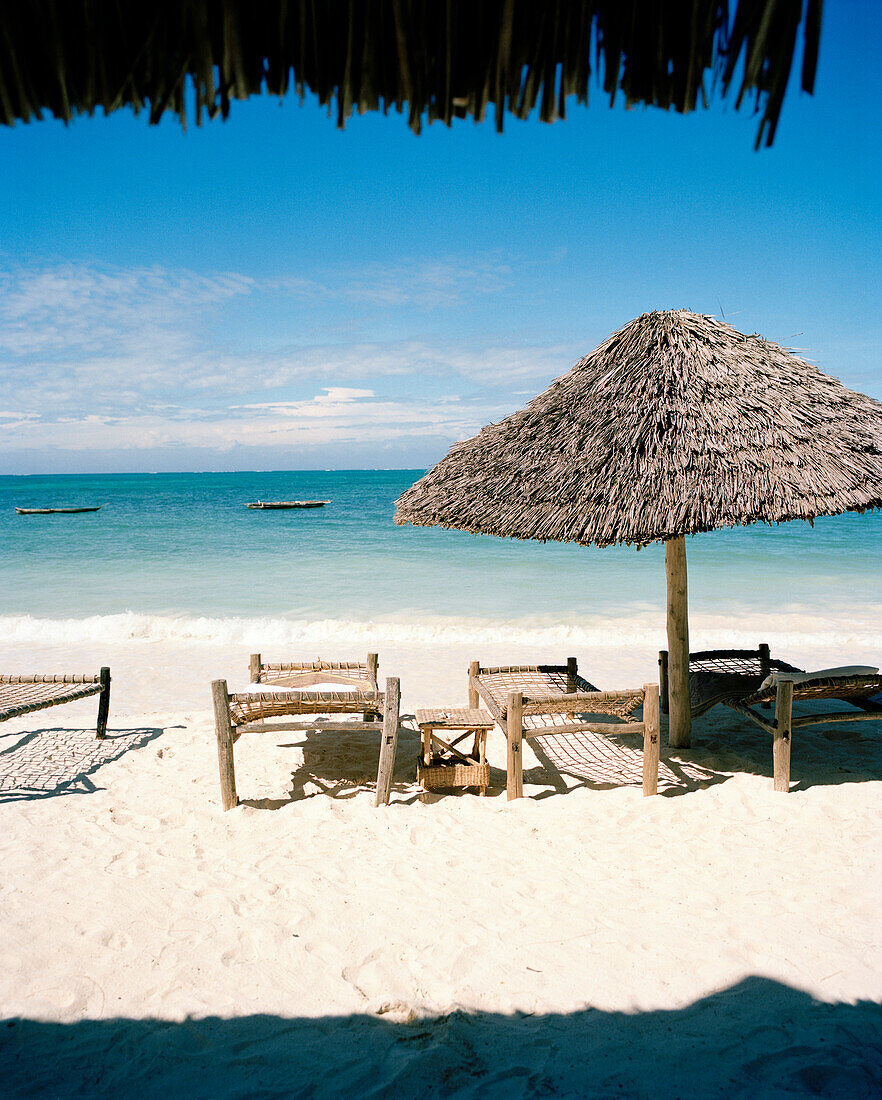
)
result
[(679, 710)]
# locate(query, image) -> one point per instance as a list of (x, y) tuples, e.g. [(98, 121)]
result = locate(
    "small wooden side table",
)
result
[(442, 764)]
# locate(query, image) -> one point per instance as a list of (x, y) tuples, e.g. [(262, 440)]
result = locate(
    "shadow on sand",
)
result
[(758, 1038), (60, 761), (340, 759), (723, 745), (822, 755)]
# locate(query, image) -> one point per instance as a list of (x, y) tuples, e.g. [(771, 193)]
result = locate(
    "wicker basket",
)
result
[(439, 776)]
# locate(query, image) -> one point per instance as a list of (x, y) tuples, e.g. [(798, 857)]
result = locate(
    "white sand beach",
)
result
[(720, 939), (567, 379)]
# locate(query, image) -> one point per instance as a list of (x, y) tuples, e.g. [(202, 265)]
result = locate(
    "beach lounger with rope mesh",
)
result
[(235, 713), (716, 675), (743, 679), (36, 691), (863, 691), (304, 673), (538, 701)]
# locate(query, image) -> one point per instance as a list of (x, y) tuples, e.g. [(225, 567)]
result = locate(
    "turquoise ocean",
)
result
[(168, 551)]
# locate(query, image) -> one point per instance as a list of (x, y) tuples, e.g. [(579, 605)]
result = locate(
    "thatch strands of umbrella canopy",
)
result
[(676, 424), (434, 60)]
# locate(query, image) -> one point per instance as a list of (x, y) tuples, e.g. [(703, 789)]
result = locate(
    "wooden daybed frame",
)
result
[(37, 691), (734, 677), (235, 713), (534, 701), (304, 673), (719, 674)]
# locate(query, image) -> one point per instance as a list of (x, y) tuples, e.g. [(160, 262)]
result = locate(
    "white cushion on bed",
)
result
[(819, 674), (275, 687)]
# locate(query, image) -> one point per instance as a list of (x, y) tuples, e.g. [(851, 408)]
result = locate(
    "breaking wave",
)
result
[(855, 629)]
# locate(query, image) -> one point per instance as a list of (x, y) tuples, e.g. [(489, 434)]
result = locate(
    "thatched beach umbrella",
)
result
[(434, 61), (676, 424)]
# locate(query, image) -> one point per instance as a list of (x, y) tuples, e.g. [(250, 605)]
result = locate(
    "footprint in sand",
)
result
[(396, 1011)]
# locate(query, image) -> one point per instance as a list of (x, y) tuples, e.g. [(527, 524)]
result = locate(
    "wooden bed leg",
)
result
[(572, 673), (781, 742), (254, 671), (481, 754), (389, 740), (514, 728), (765, 660), (223, 728), (103, 704), (373, 663), (651, 738), (474, 670), (663, 680)]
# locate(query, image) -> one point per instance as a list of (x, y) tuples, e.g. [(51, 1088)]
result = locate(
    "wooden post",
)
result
[(765, 658), (679, 705), (781, 741), (474, 701), (103, 704), (389, 740), (481, 753), (254, 668), (373, 662), (224, 732), (663, 680), (514, 729), (572, 672), (651, 738)]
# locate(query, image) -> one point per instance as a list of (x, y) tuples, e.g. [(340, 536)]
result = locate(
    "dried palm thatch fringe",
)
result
[(435, 59), (676, 424)]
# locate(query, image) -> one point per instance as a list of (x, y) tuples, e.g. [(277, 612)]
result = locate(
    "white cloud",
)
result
[(72, 310), (91, 337), (428, 284), (295, 425), (332, 396), (120, 385), (423, 283), (94, 357), (336, 394)]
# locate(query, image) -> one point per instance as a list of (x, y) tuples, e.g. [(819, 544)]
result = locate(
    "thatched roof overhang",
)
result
[(676, 424), (435, 60)]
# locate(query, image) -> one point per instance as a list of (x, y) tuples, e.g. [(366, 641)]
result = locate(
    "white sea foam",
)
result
[(859, 631)]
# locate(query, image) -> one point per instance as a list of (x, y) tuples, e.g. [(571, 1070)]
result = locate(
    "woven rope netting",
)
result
[(612, 760), (24, 698)]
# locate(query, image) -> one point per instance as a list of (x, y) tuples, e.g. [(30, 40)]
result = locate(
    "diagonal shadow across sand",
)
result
[(339, 759), (602, 762), (61, 761), (757, 1038), (723, 744)]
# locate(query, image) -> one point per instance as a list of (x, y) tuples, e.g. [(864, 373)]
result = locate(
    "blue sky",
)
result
[(271, 293)]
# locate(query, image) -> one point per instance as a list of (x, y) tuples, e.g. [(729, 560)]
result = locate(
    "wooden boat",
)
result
[(56, 511), (287, 504)]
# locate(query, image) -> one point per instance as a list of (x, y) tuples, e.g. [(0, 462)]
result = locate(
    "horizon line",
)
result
[(174, 473)]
